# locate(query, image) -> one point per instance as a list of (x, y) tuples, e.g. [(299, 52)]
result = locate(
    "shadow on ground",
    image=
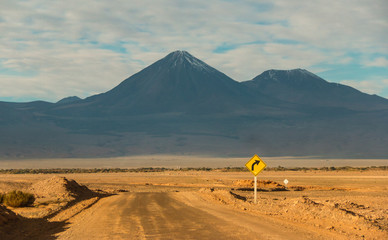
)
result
[(13, 226)]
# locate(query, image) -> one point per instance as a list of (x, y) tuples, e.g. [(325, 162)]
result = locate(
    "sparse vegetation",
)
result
[(18, 199), (151, 169), (345, 168)]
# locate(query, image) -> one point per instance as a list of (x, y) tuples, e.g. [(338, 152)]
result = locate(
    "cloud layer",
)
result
[(53, 49)]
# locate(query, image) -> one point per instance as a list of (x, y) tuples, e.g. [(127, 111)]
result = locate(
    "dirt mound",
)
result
[(354, 221), (222, 196), (60, 188), (260, 184)]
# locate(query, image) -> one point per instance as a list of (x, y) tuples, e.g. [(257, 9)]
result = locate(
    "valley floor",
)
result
[(208, 205)]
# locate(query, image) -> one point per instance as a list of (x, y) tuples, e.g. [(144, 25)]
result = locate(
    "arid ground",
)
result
[(199, 205)]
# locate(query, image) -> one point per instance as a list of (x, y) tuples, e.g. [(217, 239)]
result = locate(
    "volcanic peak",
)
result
[(272, 73), (294, 76), (180, 58)]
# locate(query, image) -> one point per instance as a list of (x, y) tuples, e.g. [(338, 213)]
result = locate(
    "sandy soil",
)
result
[(199, 205)]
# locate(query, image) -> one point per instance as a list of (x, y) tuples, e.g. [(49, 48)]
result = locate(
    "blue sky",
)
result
[(54, 49)]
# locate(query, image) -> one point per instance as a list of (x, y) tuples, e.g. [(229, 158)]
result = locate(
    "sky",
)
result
[(54, 49)]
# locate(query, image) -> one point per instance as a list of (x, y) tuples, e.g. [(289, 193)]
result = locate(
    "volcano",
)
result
[(178, 83), (305, 88)]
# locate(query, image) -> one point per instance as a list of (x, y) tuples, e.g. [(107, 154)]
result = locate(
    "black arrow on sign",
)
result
[(253, 165)]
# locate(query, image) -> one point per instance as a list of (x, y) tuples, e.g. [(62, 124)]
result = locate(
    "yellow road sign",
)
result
[(255, 165)]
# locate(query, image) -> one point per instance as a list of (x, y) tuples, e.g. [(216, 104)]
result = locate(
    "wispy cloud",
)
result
[(378, 62), (54, 49)]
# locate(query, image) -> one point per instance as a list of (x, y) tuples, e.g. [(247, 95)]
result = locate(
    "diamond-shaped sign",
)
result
[(255, 165), (285, 182)]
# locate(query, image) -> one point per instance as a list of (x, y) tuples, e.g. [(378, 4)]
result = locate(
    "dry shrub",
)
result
[(298, 188), (18, 199), (1, 198)]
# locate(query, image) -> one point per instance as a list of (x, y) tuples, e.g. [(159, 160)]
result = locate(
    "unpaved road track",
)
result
[(163, 215)]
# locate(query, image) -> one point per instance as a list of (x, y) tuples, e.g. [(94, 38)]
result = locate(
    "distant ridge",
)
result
[(69, 100)]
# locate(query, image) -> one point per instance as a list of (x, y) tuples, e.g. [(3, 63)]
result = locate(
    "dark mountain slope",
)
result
[(22, 112), (303, 87)]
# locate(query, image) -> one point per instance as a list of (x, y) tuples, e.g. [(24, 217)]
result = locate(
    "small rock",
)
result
[(330, 228)]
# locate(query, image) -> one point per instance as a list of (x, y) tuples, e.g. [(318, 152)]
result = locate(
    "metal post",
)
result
[(255, 189)]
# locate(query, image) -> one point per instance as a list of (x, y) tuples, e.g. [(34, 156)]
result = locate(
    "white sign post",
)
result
[(255, 189)]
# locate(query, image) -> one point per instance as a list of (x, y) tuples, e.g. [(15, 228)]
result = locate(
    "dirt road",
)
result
[(165, 215)]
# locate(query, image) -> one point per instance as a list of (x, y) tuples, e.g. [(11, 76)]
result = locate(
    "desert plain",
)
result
[(213, 203)]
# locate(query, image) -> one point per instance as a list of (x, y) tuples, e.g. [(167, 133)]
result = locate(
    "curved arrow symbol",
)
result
[(255, 163)]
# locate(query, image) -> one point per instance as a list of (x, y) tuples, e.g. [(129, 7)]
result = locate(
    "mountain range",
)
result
[(181, 105)]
